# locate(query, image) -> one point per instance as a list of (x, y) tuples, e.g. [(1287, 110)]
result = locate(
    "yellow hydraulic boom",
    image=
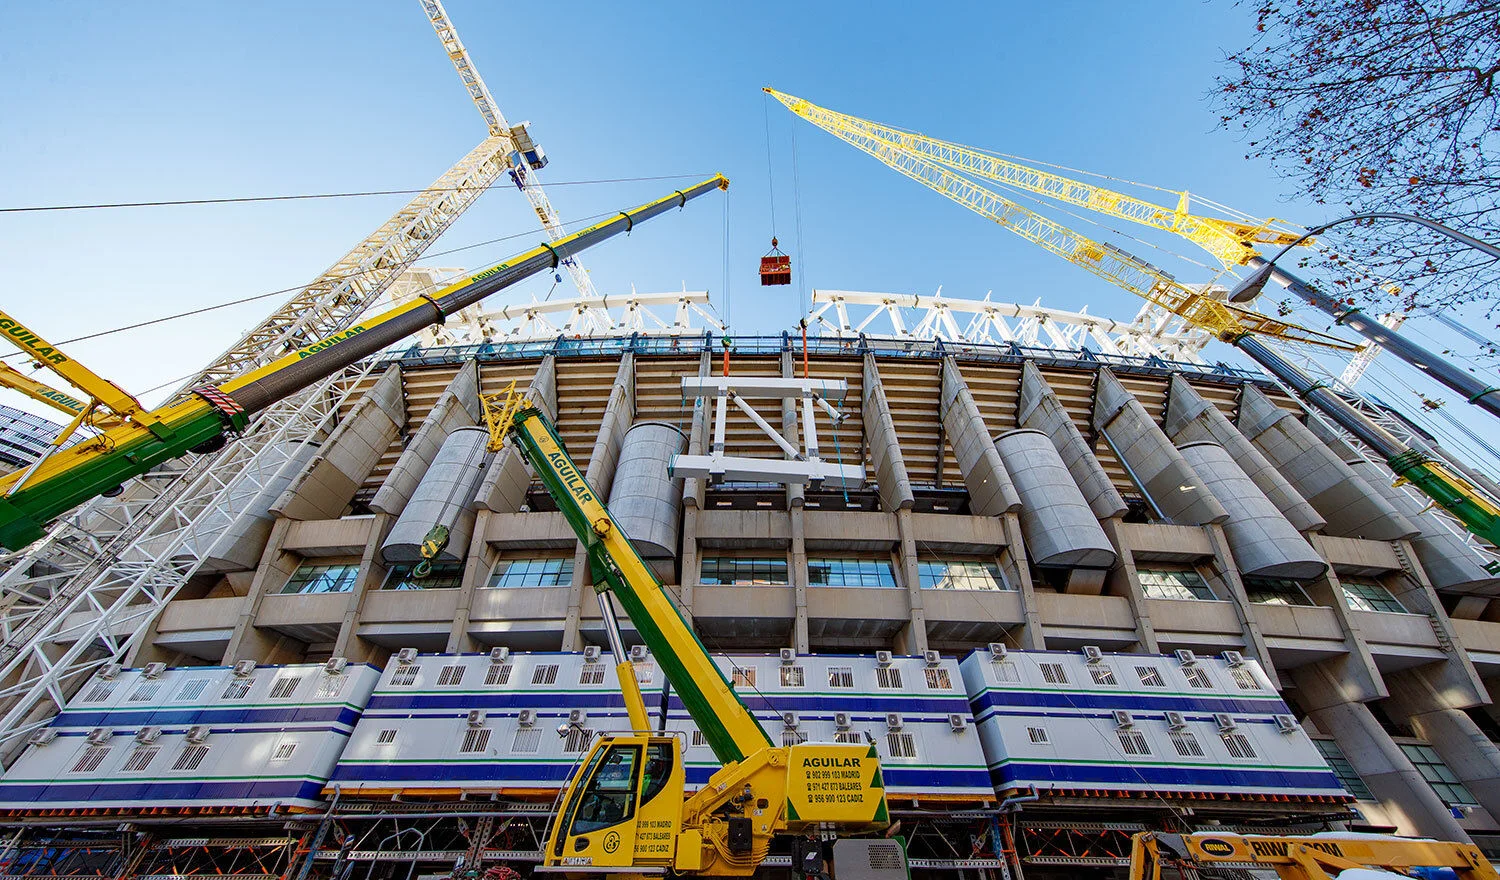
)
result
[(1225, 321), (623, 811), (1319, 857), (43, 393)]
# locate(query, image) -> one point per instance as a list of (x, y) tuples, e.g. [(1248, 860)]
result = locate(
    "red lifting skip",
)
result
[(775, 267)]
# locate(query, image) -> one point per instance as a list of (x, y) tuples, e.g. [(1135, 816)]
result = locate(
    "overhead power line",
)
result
[(315, 196)]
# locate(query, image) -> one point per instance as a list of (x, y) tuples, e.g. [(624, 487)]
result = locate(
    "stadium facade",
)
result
[(1077, 596)]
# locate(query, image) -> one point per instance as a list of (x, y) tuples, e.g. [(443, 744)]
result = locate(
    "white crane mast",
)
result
[(525, 157)]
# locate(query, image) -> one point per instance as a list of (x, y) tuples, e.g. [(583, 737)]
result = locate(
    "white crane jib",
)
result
[(526, 158)]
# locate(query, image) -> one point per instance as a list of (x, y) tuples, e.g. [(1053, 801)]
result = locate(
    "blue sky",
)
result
[(134, 101)]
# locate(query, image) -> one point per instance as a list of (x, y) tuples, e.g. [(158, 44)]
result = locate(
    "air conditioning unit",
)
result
[(788, 656), (638, 653), (591, 653), (153, 670), (1092, 654), (932, 658), (197, 733), (1233, 658), (243, 668), (1185, 657), (99, 736), (893, 720), (577, 716), (1123, 719), (1286, 724), (476, 717), (998, 651), (526, 718), (43, 736), (109, 671), (499, 655), (406, 656), (148, 735), (1175, 721), (1225, 721), (335, 666), (841, 720), (789, 720), (882, 658), (957, 722)]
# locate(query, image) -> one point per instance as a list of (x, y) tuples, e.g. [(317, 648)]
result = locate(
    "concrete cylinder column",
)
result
[(1059, 527), (644, 500), (1261, 540)]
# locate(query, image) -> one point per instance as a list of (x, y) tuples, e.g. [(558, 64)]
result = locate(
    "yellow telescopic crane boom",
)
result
[(1225, 321)]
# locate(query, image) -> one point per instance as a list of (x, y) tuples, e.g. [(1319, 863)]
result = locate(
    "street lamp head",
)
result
[(1251, 287)]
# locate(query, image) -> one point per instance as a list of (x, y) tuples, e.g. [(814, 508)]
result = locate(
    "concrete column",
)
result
[(991, 492), (1362, 680), (1408, 799), (249, 642), (1456, 677), (476, 570), (916, 635), (1351, 507), (1435, 717), (797, 571), (1013, 562), (457, 407), (1229, 578), (692, 501), (692, 487), (1155, 465), (619, 412), (688, 579), (505, 483), (1037, 407), (372, 572), (1129, 584), (1191, 418), (885, 447), (324, 487)]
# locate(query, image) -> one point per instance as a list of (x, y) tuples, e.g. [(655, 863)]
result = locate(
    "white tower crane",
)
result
[(526, 158)]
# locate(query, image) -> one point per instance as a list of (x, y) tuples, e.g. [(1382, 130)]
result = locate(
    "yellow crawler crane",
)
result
[(623, 811), (1318, 857)]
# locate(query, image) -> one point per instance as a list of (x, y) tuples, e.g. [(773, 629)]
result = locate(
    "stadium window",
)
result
[(743, 571), (1341, 768), (1197, 678), (444, 576), (555, 571), (1150, 677), (742, 676), (1133, 742), (1275, 591), (322, 579), (1428, 763), (793, 677), (961, 575), (850, 573), (938, 679), (1103, 674), (1370, 596), (1185, 584), (841, 676), (1186, 744), (1238, 745)]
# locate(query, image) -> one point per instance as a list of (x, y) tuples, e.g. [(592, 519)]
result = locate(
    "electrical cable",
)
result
[(316, 196), (765, 106), (801, 250)]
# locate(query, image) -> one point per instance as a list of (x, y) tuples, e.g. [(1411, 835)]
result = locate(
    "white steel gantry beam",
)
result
[(524, 176), (85, 593), (919, 317)]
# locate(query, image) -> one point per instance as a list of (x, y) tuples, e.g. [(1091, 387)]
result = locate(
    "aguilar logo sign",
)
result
[(1216, 847), (32, 342), (570, 478), (330, 341)]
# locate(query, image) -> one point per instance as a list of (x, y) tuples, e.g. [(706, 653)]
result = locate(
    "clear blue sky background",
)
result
[(135, 101)]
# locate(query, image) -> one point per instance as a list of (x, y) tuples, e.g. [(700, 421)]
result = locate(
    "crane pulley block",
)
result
[(527, 149)]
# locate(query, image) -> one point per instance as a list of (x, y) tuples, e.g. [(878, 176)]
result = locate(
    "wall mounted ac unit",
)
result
[(197, 733), (476, 718), (1092, 654), (243, 668), (957, 722), (99, 736), (153, 670), (1175, 721), (406, 656), (1225, 721), (526, 718), (1185, 657), (893, 720), (1123, 719), (499, 655), (335, 666)]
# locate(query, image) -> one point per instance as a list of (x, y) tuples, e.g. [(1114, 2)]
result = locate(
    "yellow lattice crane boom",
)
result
[(1225, 321), (1231, 242)]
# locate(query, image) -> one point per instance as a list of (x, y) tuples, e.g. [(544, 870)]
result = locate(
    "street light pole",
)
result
[(1480, 394)]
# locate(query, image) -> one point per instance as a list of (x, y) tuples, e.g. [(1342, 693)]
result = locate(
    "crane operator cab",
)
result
[(625, 808)]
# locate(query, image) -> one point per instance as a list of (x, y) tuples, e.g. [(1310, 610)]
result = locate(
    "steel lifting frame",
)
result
[(639, 313), (801, 466)]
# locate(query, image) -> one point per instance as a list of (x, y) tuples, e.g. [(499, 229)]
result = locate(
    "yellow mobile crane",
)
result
[(623, 811), (199, 422), (1316, 857), (43, 393)]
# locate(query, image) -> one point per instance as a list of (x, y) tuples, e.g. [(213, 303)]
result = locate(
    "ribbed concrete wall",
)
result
[(1037, 407), (885, 446), (1190, 419), (1056, 521), (1350, 505), (991, 492), (646, 502), (1264, 544), (442, 499), (1156, 466)]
